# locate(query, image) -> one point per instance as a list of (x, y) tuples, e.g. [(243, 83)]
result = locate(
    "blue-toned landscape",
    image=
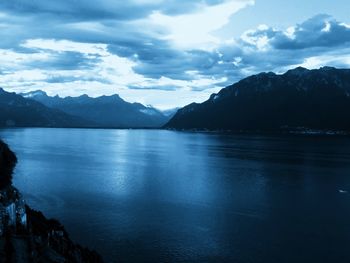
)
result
[(164, 131)]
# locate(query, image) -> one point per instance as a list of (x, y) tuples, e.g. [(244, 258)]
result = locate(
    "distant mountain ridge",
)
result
[(298, 99), (106, 111), (16, 111)]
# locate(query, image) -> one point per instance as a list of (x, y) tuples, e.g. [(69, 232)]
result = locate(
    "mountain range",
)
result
[(105, 111), (16, 111), (37, 109), (298, 99)]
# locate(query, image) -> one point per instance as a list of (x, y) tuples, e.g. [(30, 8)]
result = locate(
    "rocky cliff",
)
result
[(26, 235)]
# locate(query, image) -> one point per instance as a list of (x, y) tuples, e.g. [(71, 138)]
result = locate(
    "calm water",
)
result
[(162, 196)]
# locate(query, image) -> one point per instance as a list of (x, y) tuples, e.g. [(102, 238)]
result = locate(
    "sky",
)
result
[(165, 53)]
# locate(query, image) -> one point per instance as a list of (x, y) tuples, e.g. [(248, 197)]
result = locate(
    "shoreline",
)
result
[(291, 132), (28, 236)]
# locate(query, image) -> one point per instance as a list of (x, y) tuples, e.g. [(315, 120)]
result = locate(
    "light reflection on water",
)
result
[(163, 196)]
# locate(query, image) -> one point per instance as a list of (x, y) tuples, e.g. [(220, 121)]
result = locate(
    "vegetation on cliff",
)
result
[(8, 162)]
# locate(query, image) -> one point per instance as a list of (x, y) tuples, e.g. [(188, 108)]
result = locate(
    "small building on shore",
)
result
[(12, 210)]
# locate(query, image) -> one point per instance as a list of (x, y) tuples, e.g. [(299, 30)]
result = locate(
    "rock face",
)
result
[(298, 99), (26, 235), (105, 111)]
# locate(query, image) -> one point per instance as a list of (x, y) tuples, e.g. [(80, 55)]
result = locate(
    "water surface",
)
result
[(164, 196)]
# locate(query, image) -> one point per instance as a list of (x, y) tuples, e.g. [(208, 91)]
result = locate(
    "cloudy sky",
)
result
[(165, 53)]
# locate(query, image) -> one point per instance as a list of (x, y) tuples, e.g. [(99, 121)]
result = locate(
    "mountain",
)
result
[(298, 99), (16, 111), (106, 111)]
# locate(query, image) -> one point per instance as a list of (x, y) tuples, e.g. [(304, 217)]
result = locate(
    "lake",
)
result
[(166, 196)]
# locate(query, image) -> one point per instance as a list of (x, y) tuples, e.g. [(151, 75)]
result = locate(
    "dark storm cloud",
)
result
[(103, 9), (319, 31), (68, 79), (57, 19), (157, 58), (68, 60), (60, 79), (177, 64), (76, 10)]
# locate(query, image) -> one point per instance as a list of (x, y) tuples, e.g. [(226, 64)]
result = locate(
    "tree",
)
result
[(8, 162)]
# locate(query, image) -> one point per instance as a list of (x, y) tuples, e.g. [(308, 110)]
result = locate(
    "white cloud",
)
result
[(13, 60), (325, 60), (260, 42), (344, 24), (327, 27), (22, 76), (66, 45), (290, 32), (195, 30)]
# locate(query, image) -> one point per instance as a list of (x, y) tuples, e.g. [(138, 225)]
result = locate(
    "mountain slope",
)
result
[(16, 111), (315, 99), (106, 111)]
